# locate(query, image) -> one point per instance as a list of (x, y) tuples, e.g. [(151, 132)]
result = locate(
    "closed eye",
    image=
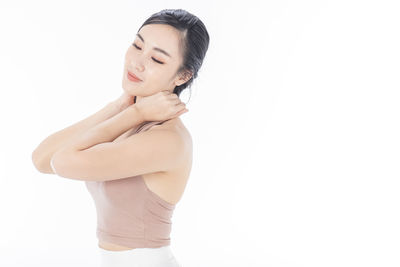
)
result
[(137, 47), (157, 61)]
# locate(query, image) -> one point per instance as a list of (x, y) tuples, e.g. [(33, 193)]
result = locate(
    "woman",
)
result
[(135, 154)]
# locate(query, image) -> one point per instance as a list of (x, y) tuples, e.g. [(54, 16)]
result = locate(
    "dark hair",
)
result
[(194, 42)]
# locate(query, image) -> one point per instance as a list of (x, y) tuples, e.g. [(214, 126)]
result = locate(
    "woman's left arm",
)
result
[(106, 131)]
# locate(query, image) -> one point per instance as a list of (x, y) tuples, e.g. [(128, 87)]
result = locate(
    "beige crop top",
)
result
[(128, 213)]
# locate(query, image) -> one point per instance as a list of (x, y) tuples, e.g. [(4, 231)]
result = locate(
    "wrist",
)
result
[(135, 113), (108, 111), (115, 106), (118, 124)]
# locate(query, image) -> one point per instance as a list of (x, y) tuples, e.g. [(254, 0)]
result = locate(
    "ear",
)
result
[(184, 78)]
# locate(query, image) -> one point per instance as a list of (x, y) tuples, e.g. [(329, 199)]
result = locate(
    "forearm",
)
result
[(42, 155), (106, 131)]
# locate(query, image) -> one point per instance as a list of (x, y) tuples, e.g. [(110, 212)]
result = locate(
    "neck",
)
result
[(137, 98)]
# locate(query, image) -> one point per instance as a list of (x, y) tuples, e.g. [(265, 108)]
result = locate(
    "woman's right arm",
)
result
[(42, 155)]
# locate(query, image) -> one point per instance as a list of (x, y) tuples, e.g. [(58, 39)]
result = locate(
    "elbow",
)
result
[(61, 163), (56, 164), (52, 166), (35, 159), (38, 162)]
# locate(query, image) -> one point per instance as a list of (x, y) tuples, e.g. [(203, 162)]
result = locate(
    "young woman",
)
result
[(135, 154)]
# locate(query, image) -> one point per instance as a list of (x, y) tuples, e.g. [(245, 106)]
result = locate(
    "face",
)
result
[(154, 57)]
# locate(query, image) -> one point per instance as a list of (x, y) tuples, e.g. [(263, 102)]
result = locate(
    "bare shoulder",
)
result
[(176, 125), (171, 184)]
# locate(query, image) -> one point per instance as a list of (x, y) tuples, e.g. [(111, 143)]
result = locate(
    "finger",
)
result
[(169, 93), (181, 112), (177, 102), (172, 98), (182, 108), (184, 111), (174, 102), (173, 95)]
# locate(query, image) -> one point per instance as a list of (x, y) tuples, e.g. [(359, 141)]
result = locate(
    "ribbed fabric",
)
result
[(129, 213)]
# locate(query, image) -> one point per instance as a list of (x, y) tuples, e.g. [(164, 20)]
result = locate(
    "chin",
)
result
[(130, 90)]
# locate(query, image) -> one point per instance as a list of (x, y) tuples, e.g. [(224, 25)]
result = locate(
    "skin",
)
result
[(155, 77)]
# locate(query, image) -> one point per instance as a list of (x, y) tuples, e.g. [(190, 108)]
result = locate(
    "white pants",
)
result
[(139, 257)]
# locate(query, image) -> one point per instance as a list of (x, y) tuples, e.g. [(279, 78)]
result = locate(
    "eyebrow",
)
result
[(154, 48)]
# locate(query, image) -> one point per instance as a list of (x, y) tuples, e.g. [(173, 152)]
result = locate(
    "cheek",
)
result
[(154, 75), (130, 55), (156, 80)]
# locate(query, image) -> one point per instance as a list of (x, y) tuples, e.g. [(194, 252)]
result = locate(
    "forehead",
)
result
[(163, 36)]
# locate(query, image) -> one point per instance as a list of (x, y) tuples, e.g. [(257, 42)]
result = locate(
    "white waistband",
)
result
[(161, 256)]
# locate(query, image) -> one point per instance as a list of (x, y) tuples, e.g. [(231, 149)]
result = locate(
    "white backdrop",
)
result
[(294, 118)]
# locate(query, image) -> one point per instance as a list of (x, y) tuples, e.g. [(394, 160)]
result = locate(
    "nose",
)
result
[(137, 64)]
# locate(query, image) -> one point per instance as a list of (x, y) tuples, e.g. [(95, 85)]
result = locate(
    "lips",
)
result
[(133, 77)]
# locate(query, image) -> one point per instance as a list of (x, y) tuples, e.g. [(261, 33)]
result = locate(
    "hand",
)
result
[(163, 105)]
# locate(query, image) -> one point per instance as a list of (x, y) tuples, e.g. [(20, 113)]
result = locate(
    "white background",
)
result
[(294, 118)]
